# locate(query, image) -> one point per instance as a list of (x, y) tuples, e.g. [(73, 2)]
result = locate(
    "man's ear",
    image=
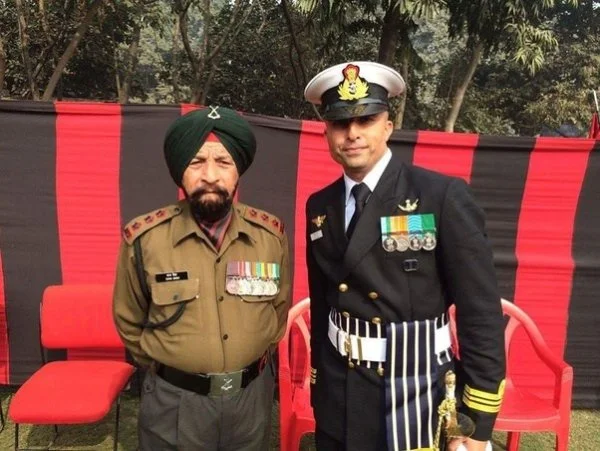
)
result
[(389, 129)]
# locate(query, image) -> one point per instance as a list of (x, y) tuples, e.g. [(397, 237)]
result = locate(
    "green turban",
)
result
[(186, 135)]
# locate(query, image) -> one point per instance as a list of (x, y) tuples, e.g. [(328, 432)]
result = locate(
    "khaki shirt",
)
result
[(218, 331)]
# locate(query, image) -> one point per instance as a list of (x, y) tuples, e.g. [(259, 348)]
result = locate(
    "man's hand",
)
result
[(468, 444)]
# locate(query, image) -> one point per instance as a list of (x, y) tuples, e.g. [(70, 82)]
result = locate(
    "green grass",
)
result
[(585, 432)]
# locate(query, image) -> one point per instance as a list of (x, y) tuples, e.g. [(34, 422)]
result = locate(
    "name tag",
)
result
[(316, 235), (171, 276)]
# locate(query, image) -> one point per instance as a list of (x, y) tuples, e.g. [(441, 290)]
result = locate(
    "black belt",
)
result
[(214, 384)]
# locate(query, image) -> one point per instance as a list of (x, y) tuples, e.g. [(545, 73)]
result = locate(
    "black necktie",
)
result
[(361, 193)]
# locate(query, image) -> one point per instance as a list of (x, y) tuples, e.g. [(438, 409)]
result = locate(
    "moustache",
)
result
[(202, 191)]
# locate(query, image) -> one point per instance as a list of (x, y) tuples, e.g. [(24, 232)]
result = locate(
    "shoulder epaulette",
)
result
[(266, 220), (143, 223)]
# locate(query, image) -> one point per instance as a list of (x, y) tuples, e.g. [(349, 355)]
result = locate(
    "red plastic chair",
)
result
[(523, 411), (296, 416), (78, 391)]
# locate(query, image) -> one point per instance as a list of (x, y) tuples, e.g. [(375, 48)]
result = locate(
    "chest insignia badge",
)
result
[(319, 220), (409, 206)]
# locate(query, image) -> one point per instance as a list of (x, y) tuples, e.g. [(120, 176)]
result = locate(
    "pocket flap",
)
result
[(251, 298), (168, 293)]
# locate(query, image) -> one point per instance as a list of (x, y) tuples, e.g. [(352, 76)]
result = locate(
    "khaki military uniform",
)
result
[(218, 332)]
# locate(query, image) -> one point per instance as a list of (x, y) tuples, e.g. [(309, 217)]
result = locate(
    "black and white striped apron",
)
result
[(411, 389)]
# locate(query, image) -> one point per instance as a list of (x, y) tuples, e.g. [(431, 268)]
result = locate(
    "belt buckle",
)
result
[(225, 383), (340, 341), (359, 345), (348, 346)]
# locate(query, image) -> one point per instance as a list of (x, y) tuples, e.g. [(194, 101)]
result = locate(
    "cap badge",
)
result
[(213, 113), (353, 87), (409, 206), (319, 220)]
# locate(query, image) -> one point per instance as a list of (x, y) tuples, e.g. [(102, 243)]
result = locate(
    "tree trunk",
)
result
[(299, 52), (239, 16), (116, 67), (70, 50), (131, 63), (389, 35), (461, 89), (175, 64), (399, 119), (199, 95), (24, 44), (44, 17), (207, 85), (185, 40), (2, 65)]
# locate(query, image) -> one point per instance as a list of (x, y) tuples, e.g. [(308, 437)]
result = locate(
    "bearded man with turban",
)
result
[(202, 295)]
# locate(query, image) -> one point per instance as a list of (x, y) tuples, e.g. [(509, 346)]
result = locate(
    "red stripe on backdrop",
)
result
[(316, 170), (187, 107), (450, 154), (4, 349), (544, 250), (88, 138)]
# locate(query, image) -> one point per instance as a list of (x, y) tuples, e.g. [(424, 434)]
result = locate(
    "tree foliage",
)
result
[(503, 67)]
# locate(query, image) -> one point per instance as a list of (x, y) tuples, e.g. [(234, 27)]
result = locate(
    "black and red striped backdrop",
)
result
[(71, 174)]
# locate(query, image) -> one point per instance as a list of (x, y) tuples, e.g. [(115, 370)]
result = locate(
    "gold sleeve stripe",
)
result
[(474, 393), (482, 401), (481, 407)]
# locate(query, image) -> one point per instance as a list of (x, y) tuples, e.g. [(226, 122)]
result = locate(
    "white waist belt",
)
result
[(374, 349)]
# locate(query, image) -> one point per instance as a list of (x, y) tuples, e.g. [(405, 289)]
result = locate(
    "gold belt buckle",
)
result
[(348, 346)]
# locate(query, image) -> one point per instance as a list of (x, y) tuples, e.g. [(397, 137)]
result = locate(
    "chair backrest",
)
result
[(78, 317), (296, 367), (516, 318)]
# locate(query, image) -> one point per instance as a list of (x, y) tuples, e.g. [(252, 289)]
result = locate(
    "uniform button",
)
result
[(350, 365), (380, 371), (218, 260), (343, 287), (376, 320), (175, 297), (225, 337), (220, 298), (373, 295), (346, 314)]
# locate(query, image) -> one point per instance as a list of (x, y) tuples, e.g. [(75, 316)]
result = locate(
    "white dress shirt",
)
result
[(371, 180)]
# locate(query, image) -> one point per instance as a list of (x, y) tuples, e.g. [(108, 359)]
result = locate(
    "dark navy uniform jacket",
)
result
[(349, 403)]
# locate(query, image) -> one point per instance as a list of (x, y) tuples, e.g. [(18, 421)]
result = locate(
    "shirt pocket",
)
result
[(258, 313), (171, 298)]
